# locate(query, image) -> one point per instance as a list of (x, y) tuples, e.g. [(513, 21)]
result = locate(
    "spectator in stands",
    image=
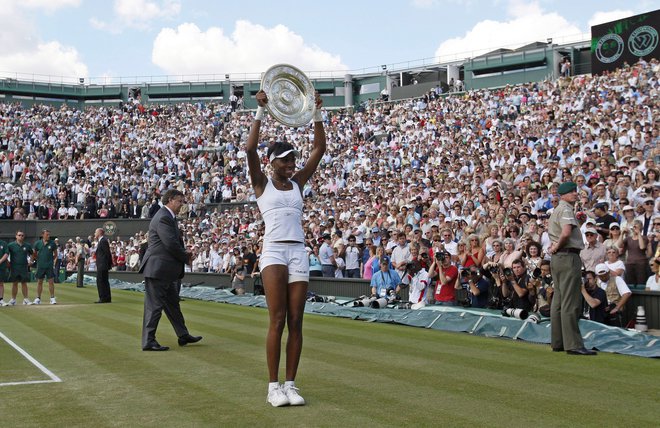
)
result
[(615, 265), (594, 252), (646, 218), (327, 256), (510, 254), (315, 268), (368, 272), (533, 256), (352, 258), (634, 251), (603, 219), (340, 264), (653, 282), (401, 254)]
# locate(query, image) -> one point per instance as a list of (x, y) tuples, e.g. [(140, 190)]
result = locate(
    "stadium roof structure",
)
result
[(535, 61)]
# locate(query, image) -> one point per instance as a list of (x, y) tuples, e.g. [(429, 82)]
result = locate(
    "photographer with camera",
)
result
[(514, 283), (542, 288), (446, 275), (417, 279), (617, 293), (238, 274), (385, 280), (478, 287), (594, 298)]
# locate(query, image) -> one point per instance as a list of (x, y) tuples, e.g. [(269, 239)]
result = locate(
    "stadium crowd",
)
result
[(463, 182)]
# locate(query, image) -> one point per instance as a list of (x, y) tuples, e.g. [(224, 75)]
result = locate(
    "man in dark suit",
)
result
[(103, 265), (162, 266)]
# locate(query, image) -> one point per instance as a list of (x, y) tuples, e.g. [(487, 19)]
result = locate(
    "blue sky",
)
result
[(125, 38)]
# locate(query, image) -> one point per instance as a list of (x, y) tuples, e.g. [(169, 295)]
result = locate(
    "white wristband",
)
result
[(260, 113), (317, 116)]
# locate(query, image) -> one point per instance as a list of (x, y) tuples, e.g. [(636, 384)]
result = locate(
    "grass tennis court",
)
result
[(352, 373)]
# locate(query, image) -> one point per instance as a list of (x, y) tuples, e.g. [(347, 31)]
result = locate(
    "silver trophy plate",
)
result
[(290, 95)]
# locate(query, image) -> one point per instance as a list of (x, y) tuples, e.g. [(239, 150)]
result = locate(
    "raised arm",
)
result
[(257, 177), (318, 150)]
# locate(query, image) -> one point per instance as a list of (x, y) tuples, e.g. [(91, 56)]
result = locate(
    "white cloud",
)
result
[(48, 5), (528, 23), (424, 4), (47, 59), (138, 13), (24, 53), (603, 17), (251, 48)]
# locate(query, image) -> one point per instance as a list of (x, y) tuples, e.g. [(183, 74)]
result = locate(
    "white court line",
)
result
[(51, 375)]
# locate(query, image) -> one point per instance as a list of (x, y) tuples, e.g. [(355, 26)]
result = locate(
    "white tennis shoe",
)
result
[(277, 397), (293, 396)]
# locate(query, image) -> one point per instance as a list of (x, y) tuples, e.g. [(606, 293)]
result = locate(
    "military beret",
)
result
[(567, 187)]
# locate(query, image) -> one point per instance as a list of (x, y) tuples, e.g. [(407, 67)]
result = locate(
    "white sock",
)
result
[(273, 385), (289, 383)]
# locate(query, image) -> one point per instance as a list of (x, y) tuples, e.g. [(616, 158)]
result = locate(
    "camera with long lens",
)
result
[(378, 303), (507, 272), (520, 314), (375, 302), (493, 269), (363, 301), (536, 273), (547, 279), (494, 303)]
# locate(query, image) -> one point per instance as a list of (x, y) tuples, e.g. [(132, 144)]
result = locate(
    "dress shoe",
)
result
[(581, 351), (186, 339), (156, 347), (102, 301), (557, 349)]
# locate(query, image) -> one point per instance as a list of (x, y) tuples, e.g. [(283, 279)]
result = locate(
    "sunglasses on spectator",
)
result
[(615, 228), (648, 203)]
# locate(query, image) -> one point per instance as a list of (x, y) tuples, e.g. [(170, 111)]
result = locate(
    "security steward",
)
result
[(566, 266)]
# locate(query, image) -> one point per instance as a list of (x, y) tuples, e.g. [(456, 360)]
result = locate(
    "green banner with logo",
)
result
[(624, 41)]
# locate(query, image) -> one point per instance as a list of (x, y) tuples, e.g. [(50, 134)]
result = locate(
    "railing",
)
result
[(256, 76)]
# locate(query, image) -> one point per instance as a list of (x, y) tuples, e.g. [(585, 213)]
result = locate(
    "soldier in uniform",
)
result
[(4, 267), (19, 254), (45, 251), (566, 266)]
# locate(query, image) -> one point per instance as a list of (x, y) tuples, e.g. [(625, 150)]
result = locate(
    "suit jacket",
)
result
[(166, 256), (103, 256)]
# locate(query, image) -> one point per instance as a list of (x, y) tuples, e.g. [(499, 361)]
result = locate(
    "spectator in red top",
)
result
[(121, 261)]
